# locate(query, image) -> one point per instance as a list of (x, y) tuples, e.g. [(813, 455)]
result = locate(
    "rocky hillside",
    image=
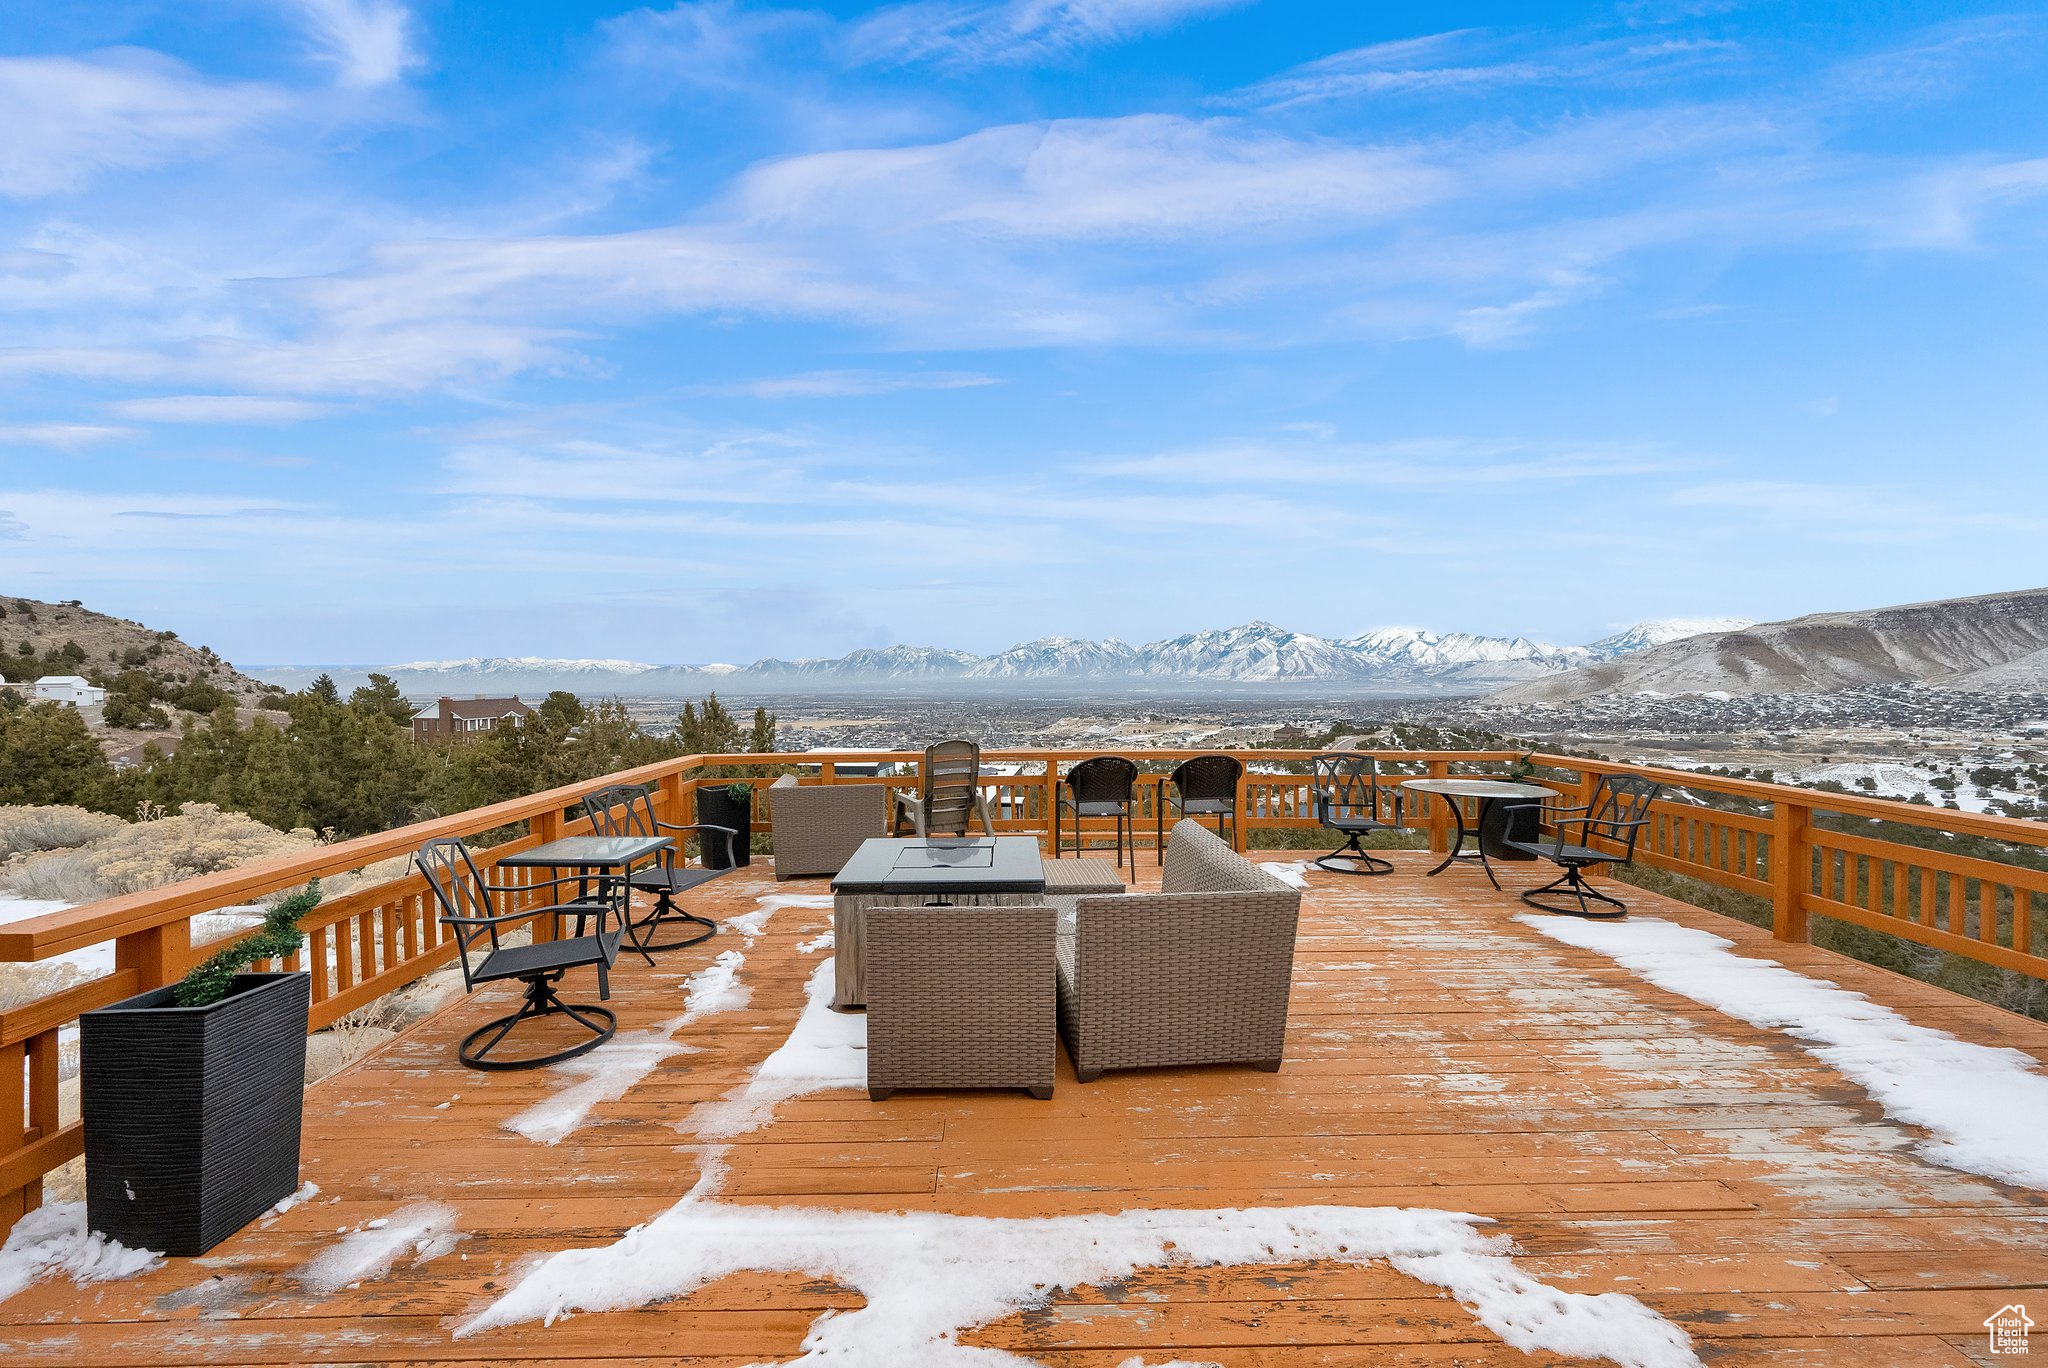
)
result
[(1992, 641), (152, 677)]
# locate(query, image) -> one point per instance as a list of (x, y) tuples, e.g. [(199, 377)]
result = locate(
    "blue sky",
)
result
[(352, 331)]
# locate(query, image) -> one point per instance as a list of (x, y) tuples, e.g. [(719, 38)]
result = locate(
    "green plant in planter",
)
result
[(278, 937), (740, 794)]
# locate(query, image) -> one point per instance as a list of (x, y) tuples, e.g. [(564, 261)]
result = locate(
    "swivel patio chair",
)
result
[(1348, 801), (1614, 815), (1205, 786), (948, 794), (628, 810), (476, 910), (1103, 787)]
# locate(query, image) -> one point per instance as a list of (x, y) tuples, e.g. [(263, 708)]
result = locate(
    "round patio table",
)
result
[(1484, 793)]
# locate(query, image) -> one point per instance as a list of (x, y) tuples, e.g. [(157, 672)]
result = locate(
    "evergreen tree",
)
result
[(761, 737)]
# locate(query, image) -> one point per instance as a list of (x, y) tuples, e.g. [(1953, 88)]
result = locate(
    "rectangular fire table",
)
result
[(964, 871)]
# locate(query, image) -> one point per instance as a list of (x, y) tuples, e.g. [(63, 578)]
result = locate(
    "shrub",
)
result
[(51, 827), (201, 839), (210, 980)]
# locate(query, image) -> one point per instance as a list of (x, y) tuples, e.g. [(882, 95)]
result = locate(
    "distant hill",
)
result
[(1391, 660), (1992, 641), (168, 677)]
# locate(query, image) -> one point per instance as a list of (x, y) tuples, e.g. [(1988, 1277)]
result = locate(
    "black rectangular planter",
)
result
[(192, 1113), (717, 809)]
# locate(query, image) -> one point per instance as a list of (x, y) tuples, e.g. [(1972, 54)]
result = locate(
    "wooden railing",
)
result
[(1791, 846)]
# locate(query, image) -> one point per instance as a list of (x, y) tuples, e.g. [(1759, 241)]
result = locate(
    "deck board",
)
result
[(1440, 1055)]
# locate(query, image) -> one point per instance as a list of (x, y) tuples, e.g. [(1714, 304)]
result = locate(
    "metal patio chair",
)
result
[(1205, 786), (1614, 814), (476, 909), (1105, 786), (948, 794), (1348, 801), (628, 810)]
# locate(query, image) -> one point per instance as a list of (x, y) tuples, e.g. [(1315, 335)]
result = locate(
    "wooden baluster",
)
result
[(1791, 869), (42, 1102)]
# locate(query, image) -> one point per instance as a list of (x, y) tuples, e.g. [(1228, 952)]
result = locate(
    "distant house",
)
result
[(134, 757), (454, 718), (72, 689)]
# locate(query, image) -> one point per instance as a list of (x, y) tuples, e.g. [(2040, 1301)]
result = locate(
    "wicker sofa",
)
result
[(1197, 973), (819, 826)]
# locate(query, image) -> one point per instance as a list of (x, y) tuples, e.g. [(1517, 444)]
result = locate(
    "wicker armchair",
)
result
[(819, 826), (1198, 973), (960, 997)]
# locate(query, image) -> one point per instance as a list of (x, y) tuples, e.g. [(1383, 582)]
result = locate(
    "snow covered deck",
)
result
[(1619, 1101)]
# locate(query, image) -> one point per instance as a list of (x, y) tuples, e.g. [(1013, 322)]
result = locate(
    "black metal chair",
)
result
[(1205, 786), (476, 909), (628, 810), (1103, 787), (1348, 799), (1615, 814)]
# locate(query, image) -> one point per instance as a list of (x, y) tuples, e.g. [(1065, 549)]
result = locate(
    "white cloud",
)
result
[(846, 384), (368, 42), (63, 436), (219, 408), (1003, 32), (68, 119)]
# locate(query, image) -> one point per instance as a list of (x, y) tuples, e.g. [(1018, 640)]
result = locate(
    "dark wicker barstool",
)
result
[(1103, 787), (1205, 786), (1347, 796), (1615, 814), (475, 910), (628, 810)]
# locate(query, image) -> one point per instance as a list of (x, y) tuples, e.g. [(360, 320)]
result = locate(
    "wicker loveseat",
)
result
[(1197, 973), (819, 826)]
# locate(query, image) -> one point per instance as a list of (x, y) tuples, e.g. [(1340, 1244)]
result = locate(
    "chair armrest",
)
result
[(731, 835), (584, 877), (599, 910)]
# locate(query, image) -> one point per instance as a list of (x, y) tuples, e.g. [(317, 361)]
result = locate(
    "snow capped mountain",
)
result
[(1411, 647), (1389, 658), (1644, 635), (1255, 651), (1057, 657), (484, 666), (888, 662)]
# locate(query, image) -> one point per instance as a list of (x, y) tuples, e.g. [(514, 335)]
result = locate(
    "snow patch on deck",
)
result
[(715, 988), (751, 924), (825, 1049), (54, 1239), (1293, 873), (1987, 1108), (928, 1276), (607, 1073), (426, 1230)]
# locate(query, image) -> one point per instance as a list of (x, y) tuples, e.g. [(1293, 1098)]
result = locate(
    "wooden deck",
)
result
[(1441, 1055)]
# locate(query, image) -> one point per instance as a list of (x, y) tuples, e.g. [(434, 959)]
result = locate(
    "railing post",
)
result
[(158, 956), (1052, 804), (1439, 814), (828, 772), (1791, 870)]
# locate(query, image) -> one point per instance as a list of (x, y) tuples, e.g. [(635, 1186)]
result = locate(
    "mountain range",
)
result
[(1991, 642), (1391, 659)]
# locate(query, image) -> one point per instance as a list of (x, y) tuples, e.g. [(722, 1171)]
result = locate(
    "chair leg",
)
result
[(1353, 858), (1584, 895), (541, 1000), (668, 913)]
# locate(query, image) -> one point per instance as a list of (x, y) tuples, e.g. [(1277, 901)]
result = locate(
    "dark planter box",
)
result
[(714, 807), (1506, 819), (192, 1113)]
